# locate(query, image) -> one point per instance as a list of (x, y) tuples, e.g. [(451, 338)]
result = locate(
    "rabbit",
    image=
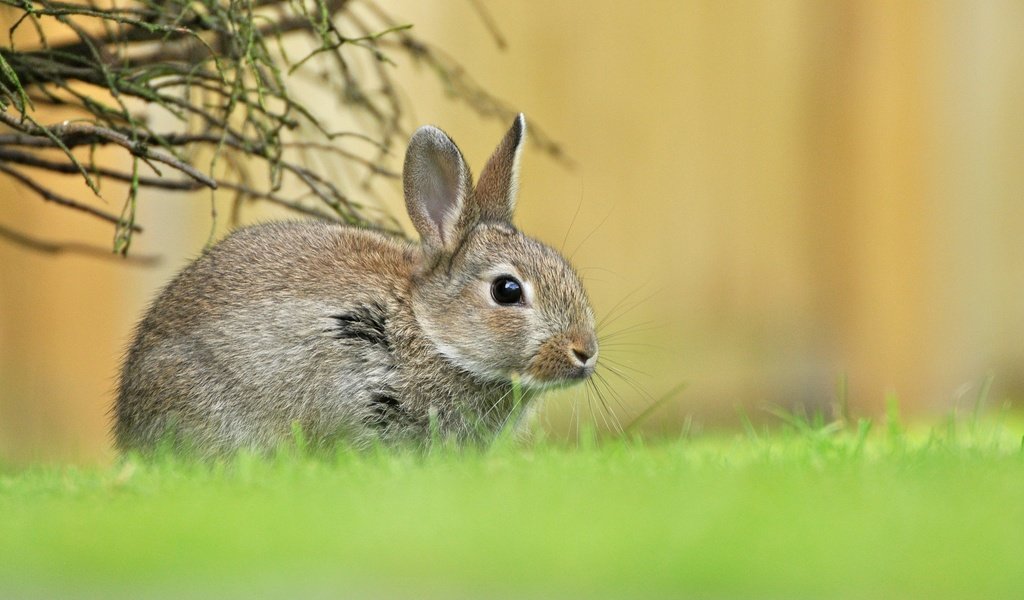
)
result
[(359, 337)]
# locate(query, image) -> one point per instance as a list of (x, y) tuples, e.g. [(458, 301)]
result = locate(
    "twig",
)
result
[(82, 133), (38, 245), (489, 23), (51, 196), (31, 160), (222, 71)]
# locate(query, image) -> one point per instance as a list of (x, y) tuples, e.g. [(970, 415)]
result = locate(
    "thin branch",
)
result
[(56, 198), (73, 134), (47, 247), (489, 23), (31, 160), (221, 70), (373, 166)]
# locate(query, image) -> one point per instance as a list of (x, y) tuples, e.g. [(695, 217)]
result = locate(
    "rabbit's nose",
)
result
[(584, 350), (581, 355)]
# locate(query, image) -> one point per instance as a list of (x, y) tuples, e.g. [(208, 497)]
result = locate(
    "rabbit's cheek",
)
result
[(484, 341), (501, 339)]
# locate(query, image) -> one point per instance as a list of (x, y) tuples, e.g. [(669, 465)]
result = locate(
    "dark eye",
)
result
[(506, 290)]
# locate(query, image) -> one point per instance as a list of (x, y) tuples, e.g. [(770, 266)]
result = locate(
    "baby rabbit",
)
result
[(356, 336)]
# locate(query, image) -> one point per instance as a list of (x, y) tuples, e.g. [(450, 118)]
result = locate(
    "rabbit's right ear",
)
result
[(437, 183)]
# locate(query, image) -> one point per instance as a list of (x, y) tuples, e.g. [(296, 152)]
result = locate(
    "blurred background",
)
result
[(784, 204)]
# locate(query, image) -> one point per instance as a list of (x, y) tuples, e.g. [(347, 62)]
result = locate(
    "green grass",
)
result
[(811, 511)]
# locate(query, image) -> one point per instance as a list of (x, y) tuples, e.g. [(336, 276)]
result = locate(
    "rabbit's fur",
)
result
[(358, 336)]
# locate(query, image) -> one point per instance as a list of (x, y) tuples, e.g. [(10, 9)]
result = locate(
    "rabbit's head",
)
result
[(490, 299)]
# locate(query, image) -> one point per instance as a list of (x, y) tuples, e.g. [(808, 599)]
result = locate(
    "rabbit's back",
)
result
[(278, 324)]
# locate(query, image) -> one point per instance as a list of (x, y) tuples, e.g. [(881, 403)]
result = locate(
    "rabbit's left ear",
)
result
[(495, 193), (437, 184)]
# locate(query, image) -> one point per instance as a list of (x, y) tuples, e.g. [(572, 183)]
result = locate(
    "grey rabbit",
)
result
[(358, 336)]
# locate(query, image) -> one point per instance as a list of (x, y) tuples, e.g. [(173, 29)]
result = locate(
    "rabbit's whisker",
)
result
[(621, 309), (609, 416), (592, 232), (579, 205), (618, 367), (641, 327), (611, 392), (633, 384)]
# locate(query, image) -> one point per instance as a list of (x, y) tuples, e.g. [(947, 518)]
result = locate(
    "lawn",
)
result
[(803, 510)]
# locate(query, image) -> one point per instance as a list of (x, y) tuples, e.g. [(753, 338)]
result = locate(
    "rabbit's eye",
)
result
[(507, 290)]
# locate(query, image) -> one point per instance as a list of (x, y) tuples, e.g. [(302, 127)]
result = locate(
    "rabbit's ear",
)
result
[(437, 183), (495, 194)]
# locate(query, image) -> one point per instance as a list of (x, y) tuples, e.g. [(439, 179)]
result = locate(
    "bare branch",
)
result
[(222, 71), (46, 247), (87, 133), (56, 198)]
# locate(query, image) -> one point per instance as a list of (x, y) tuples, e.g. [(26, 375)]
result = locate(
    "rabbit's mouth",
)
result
[(562, 360), (533, 382)]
